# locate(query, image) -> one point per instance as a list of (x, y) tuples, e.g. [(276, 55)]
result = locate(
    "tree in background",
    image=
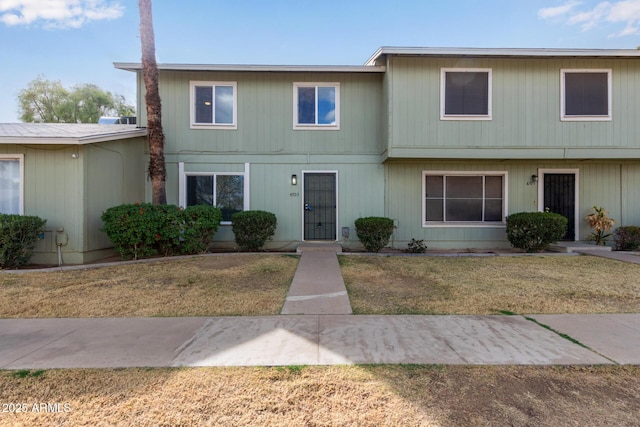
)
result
[(157, 169), (46, 101)]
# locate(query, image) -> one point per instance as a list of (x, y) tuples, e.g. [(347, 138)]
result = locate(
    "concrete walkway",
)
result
[(325, 334), (317, 286)]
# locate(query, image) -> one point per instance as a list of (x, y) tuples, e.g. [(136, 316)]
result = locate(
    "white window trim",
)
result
[(466, 224), (564, 117), (182, 185), (298, 126), (192, 106), (443, 116), (20, 158)]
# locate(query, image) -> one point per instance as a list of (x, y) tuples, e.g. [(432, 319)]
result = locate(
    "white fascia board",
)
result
[(131, 66), (503, 52)]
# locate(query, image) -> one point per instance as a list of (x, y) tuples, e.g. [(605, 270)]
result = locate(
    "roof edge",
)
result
[(137, 132), (136, 66), (501, 52)]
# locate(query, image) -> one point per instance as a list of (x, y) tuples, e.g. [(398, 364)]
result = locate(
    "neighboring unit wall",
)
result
[(611, 184), (525, 121), (115, 174), (71, 185), (52, 191)]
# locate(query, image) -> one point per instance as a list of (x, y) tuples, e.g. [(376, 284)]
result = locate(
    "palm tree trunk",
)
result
[(157, 169)]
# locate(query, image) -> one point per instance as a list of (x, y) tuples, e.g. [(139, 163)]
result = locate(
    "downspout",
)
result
[(621, 222)]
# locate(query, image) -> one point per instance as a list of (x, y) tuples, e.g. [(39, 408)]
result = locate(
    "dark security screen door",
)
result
[(319, 206), (560, 198)]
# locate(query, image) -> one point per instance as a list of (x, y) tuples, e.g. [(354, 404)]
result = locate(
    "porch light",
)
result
[(294, 179)]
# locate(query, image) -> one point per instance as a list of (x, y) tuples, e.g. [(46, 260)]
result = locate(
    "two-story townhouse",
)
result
[(447, 142), (303, 142)]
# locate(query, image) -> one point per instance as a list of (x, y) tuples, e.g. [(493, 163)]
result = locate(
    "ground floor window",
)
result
[(225, 190), (11, 185), (464, 197)]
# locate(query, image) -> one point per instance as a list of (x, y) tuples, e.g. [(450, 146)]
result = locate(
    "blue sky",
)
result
[(77, 41)]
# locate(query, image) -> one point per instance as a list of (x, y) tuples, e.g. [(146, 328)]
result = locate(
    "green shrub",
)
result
[(18, 235), (374, 232), (200, 223), (627, 238), (253, 228), (142, 230), (535, 231), (416, 246)]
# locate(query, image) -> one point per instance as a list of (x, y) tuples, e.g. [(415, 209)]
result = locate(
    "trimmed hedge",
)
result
[(253, 228), (374, 232), (18, 236), (200, 224), (535, 231), (142, 230), (627, 238)]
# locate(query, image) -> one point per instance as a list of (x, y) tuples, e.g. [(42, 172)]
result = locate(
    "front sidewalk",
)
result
[(317, 340)]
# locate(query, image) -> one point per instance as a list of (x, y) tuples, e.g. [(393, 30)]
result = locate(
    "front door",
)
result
[(320, 206), (560, 198)]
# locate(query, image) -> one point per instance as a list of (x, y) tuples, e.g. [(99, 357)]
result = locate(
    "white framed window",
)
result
[(214, 105), (465, 93), (12, 184), (228, 191), (464, 198), (585, 95), (316, 106)]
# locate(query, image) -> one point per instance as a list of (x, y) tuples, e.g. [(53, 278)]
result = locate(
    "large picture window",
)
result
[(316, 105), (213, 105), (11, 185), (586, 95), (465, 94), (477, 198), (221, 190)]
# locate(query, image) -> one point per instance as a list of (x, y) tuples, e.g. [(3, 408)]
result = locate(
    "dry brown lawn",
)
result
[(213, 285), (325, 396), (489, 285)]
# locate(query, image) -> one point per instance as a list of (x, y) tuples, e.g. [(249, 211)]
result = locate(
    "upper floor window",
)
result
[(585, 95), (11, 184), (474, 198), (465, 94), (316, 106), (214, 105)]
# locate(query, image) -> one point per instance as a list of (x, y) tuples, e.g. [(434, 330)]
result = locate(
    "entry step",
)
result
[(319, 247)]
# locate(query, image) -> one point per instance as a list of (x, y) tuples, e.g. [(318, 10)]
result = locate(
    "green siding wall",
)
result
[(265, 139), (115, 174), (265, 115), (396, 116), (526, 110), (360, 194), (613, 185), (72, 193), (53, 191)]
